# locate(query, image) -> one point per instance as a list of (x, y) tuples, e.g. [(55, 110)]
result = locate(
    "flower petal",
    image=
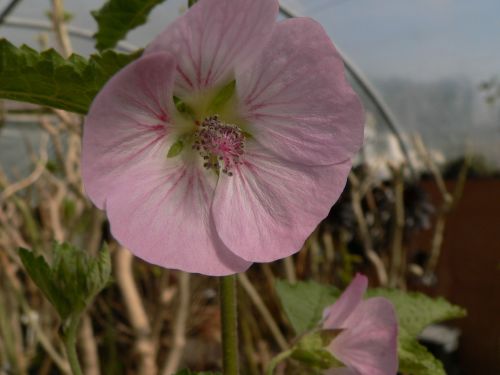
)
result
[(268, 208), (161, 213), (296, 97), (157, 206), (369, 342), (215, 36), (128, 117), (341, 371), (336, 314)]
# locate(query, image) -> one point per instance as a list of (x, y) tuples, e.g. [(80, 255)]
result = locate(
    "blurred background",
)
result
[(421, 210)]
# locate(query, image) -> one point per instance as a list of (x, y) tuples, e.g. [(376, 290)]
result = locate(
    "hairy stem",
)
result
[(175, 355), (229, 322), (69, 339)]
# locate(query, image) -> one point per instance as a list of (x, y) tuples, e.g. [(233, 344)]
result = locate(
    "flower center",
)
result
[(221, 145)]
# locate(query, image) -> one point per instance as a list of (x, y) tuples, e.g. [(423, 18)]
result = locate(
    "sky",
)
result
[(417, 39)]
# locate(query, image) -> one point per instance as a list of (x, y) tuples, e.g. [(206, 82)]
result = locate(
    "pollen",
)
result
[(221, 145)]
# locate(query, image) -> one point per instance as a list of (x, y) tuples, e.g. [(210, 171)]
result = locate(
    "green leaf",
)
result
[(415, 359), (175, 149), (311, 350), (41, 274), (304, 302), (117, 17), (47, 78), (416, 311), (72, 280), (223, 96)]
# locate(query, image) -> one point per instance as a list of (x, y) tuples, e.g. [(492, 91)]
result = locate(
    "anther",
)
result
[(221, 142)]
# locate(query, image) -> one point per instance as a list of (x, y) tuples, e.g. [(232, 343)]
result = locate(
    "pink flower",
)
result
[(367, 343), (251, 171)]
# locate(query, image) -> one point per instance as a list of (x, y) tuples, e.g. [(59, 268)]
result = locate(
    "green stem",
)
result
[(191, 3), (229, 325), (276, 360), (69, 338)]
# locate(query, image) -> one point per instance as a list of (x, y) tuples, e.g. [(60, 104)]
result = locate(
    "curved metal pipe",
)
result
[(8, 9)]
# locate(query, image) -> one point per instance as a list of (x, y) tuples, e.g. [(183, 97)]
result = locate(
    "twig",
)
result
[(444, 210), (449, 200), (53, 203), (365, 233), (289, 266), (33, 177), (45, 342), (137, 314), (179, 339), (60, 27), (248, 347), (329, 251), (88, 346), (32, 319), (425, 155), (396, 272), (266, 315)]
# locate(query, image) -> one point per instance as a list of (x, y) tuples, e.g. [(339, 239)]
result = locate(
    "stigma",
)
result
[(220, 145)]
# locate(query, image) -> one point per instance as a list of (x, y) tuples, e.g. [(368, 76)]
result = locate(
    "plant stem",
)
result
[(229, 325), (69, 338), (276, 360)]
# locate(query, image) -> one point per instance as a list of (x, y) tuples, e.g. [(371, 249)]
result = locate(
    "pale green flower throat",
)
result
[(210, 124)]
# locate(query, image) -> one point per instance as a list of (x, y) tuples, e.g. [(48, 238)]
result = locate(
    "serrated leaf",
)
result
[(41, 274), (47, 78), (110, 62), (304, 302), (117, 17), (415, 359), (72, 280), (416, 311)]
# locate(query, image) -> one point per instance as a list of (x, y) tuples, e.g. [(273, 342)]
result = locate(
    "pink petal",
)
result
[(297, 99), (157, 207), (336, 314), (128, 118), (369, 342), (268, 208), (161, 213), (341, 371), (215, 36)]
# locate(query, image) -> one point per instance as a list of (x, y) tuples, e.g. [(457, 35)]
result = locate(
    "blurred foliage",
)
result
[(72, 279), (47, 78), (117, 17)]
